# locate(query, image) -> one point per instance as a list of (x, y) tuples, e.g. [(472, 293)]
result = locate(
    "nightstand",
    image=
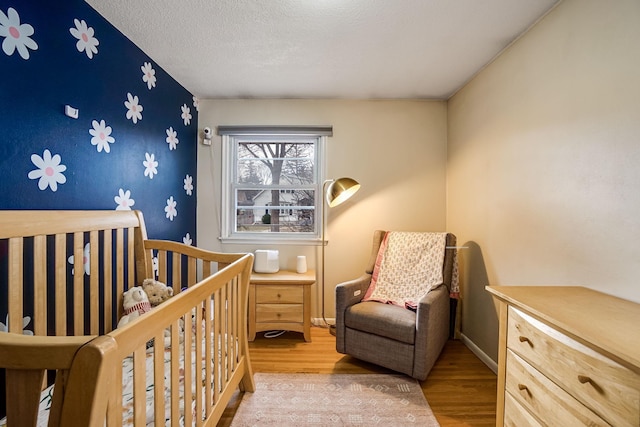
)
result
[(281, 301)]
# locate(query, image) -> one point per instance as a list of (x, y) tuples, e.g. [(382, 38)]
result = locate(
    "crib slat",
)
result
[(131, 257), (207, 350), (16, 284), (198, 362), (188, 369), (119, 271), (40, 285), (162, 266), (191, 271), (175, 368), (78, 284), (177, 273), (61, 284), (139, 386), (23, 395), (94, 252), (108, 280), (158, 379)]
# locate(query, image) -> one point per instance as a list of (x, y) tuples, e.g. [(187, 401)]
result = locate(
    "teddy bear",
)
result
[(135, 302), (157, 291)]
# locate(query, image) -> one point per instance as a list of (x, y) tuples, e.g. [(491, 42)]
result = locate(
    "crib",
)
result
[(178, 364)]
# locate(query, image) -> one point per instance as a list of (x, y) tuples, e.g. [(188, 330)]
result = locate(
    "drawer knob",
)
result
[(525, 339), (279, 296), (524, 388), (584, 379)]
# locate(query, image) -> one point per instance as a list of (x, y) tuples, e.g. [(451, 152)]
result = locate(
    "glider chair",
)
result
[(406, 338)]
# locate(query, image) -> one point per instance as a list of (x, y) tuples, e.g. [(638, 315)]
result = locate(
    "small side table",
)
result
[(280, 301)]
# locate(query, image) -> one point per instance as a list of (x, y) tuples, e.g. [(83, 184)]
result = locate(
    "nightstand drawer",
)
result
[(541, 396), (273, 294), (516, 416), (272, 313), (603, 385)]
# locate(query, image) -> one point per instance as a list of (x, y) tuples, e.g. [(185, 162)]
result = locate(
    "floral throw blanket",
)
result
[(409, 264)]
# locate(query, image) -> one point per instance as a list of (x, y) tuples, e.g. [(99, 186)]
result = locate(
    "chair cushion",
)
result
[(386, 320)]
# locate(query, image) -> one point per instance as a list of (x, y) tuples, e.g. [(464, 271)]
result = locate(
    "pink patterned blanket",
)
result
[(409, 264)]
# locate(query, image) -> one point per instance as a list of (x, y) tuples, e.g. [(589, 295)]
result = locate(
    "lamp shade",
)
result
[(340, 190)]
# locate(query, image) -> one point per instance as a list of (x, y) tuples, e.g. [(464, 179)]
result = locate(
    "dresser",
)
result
[(567, 356), (280, 301)]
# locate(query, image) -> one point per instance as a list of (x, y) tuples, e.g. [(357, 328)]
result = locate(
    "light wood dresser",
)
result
[(280, 301), (568, 356)]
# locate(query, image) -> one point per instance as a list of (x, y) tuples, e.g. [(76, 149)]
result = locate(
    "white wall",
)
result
[(544, 161), (395, 149)]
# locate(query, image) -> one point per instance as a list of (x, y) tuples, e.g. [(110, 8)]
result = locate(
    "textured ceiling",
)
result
[(322, 48)]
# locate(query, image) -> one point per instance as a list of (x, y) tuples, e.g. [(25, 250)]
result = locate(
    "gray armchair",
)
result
[(391, 336)]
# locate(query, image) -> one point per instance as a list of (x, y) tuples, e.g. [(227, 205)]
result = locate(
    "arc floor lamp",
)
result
[(335, 192)]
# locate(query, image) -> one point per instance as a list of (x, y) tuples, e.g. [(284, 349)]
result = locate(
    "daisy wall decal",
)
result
[(101, 136), (187, 240), (87, 43), (186, 114), (196, 103), (148, 75), (150, 165), (172, 138), (86, 260), (188, 184), (123, 200), (170, 209), (4, 327), (134, 109), (49, 172), (16, 35)]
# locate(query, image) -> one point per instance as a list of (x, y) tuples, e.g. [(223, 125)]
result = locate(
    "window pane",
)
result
[(275, 163), (275, 210)]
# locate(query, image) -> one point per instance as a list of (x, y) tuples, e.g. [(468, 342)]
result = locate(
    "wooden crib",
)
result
[(178, 364)]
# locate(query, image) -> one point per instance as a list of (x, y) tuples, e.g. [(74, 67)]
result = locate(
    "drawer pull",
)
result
[(525, 339), (587, 380), (523, 387)]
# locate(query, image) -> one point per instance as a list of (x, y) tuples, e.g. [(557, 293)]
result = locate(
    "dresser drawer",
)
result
[(279, 313), (273, 294), (515, 415), (541, 396), (604, 386)]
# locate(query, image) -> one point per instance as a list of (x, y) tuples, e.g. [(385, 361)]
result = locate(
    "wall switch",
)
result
[(69, 111)]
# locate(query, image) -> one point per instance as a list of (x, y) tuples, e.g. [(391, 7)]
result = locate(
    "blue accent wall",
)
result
[(133, 145)]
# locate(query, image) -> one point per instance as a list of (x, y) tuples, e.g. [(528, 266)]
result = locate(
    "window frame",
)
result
[(230, 141)]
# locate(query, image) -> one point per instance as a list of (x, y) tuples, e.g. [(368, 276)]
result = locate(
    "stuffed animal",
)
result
[(157, 292), (135, 303)]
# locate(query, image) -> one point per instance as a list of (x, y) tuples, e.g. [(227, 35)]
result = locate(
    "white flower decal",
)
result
[(187, 240), (186, 114), (188, 185), (16, 35), (124, 200), (150, 165), (196, 103), (86, 260), (101, 136), (4, 327), (49, 170), (86, 41), (170, 209), (148, 75), (134, 110), (172, 138)]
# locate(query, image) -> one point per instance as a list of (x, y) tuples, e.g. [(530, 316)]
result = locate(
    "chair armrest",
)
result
[(432, 329), (348, 294)]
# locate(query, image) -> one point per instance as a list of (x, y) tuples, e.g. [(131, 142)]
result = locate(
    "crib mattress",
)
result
[(127, 390)]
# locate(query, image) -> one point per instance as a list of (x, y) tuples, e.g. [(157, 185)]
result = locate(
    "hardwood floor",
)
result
[(460, 389)]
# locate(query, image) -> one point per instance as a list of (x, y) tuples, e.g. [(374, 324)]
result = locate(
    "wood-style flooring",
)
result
[(460, 389)]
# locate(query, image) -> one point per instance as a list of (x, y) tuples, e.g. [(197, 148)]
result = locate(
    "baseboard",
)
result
[(479, 353)]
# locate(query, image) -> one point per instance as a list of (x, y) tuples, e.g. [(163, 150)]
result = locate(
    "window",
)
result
[(272, 183)]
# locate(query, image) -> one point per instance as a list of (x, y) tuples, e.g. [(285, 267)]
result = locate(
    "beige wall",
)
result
[(543, 172), (395, 149)]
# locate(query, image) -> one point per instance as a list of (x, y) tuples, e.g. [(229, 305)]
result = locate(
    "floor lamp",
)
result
[(334, 192)]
